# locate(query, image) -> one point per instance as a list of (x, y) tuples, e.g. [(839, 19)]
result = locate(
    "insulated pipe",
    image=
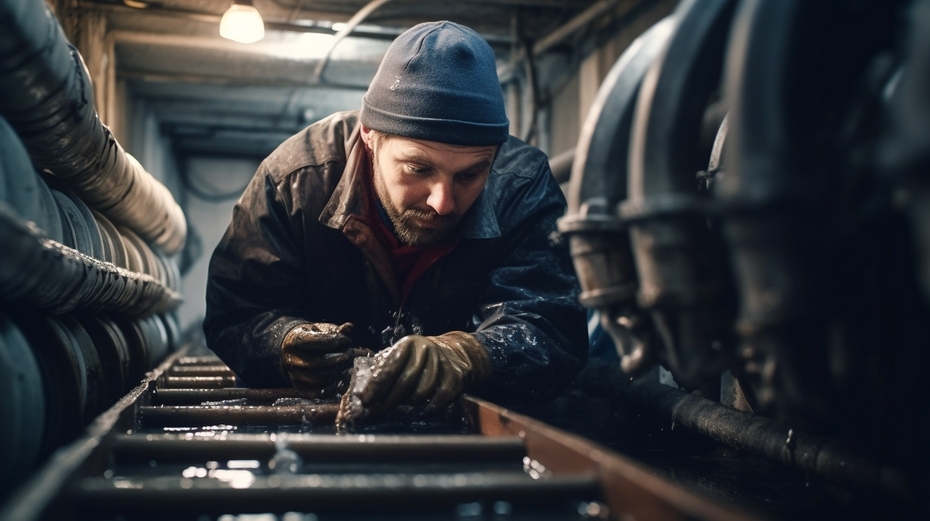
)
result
[(599, 242), (681, 264), (58, 279), (48, 99)]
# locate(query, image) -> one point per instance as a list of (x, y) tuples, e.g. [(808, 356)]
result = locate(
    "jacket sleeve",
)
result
[(531, 323), (252, 294)]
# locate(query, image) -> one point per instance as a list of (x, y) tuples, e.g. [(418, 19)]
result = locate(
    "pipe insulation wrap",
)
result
[(59, 279), (48, 99)]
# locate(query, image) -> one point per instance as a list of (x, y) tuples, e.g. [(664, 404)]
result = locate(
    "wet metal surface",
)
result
[(243, 491), (222, 457), (599, 409), (200, 396), (235, 454), (372, 448), (239, 415), (195, 382), (199, 370)]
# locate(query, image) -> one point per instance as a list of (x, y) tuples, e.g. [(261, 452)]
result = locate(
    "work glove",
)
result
[(316, 356), (425, 372)]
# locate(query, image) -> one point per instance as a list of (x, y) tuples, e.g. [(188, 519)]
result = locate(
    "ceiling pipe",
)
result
[(379, 33), (212, 44)]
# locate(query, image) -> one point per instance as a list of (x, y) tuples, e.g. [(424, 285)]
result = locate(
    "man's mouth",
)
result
[(428, 221), (430, 224)]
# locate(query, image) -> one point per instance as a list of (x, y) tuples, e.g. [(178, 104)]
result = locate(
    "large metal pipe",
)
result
[(787, 210), (48, 99), (681, 263), (599, 241)]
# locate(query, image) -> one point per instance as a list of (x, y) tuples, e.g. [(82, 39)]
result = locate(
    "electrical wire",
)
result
[(356, 19)]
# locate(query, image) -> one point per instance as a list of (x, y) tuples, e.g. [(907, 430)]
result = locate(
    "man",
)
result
[(416, 229)]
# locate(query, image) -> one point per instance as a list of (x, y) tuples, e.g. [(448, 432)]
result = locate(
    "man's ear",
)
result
[(366, 135)]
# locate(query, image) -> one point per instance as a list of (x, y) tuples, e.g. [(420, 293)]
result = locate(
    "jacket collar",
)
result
[(351, 196)]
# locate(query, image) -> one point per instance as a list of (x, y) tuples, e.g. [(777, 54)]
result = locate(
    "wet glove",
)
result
[(317, 355), (426, 372)]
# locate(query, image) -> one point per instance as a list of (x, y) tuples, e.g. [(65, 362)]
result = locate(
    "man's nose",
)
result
[(440, 198)]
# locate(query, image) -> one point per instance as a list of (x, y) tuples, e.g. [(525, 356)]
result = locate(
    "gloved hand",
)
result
[(427, 371), (317, 355)]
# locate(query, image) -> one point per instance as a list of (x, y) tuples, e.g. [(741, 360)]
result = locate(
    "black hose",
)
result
[(820, 456)]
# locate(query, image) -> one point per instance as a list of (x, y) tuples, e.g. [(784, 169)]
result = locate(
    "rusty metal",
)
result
[(631, 490)]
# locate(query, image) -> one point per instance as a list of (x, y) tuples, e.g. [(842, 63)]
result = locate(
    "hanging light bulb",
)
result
[(242, 23)]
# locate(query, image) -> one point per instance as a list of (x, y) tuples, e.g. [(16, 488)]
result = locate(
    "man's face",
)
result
[(426, 187)]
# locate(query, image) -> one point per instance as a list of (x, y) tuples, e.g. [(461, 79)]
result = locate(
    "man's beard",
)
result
[(405, 228)]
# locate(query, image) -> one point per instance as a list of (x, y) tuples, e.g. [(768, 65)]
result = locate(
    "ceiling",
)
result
[(214, 96)]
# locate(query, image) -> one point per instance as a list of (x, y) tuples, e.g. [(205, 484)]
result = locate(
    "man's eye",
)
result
[(418, 170), (467, 177)]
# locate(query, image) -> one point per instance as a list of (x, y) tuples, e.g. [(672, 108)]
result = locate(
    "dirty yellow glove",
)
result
[(317, 355), (425, 371)]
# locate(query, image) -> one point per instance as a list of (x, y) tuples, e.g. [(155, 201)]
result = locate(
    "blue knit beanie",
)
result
[(438, 82)]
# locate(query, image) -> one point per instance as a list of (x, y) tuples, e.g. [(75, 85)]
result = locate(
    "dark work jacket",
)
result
[(299, 249)]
